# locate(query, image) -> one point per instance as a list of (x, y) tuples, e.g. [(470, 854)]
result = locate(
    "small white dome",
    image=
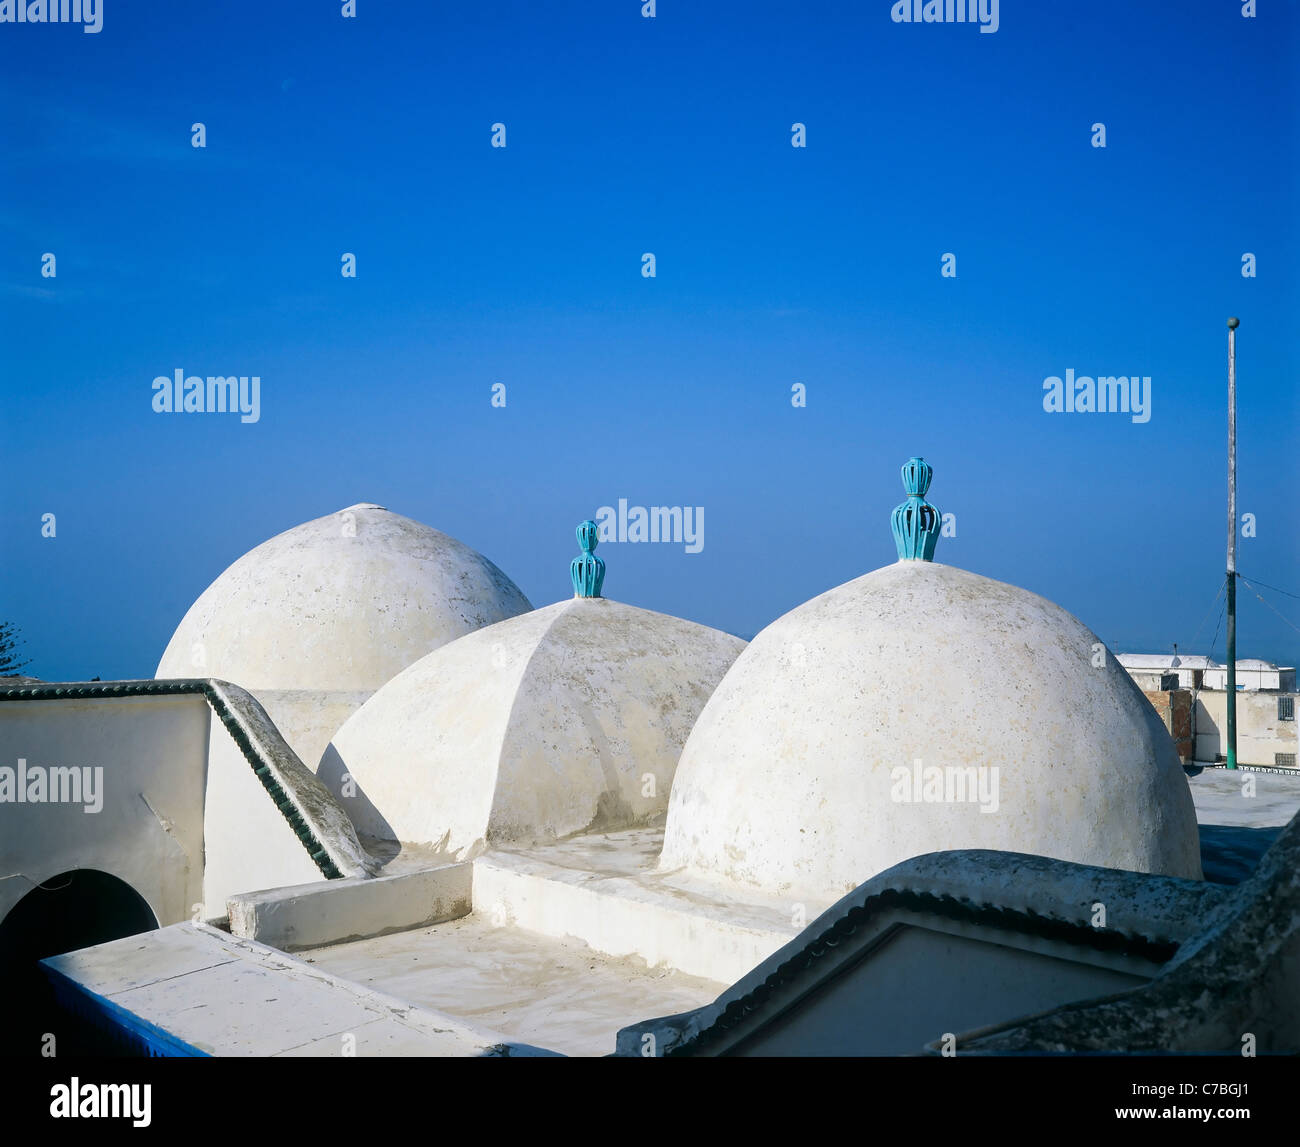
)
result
[(813, 767), (341, 603), (564, 720)]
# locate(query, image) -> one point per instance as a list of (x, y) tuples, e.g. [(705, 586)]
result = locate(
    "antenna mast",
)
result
[(1232, 543)]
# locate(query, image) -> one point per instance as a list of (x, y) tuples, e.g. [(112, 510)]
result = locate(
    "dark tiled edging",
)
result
[(194, 687), (946, 907)]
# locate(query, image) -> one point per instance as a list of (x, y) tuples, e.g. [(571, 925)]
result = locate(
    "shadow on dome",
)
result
[(373, 829)]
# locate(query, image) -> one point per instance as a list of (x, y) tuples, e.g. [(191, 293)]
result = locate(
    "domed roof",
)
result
[(340, 603), (567, 719), (922, 708)]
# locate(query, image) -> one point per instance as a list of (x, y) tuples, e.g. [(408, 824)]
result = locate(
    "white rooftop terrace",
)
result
[(522, 963), (538, 990), (554, 948)]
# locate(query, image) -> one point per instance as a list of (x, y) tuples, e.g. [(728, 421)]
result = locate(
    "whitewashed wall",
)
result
[(153, 751)]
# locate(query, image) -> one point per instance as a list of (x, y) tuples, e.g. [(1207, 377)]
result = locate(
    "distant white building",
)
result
[(1267, 732), (1254, 675), (1161, 671)]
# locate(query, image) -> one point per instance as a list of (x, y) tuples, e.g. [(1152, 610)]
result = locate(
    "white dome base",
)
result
[(922, 708)]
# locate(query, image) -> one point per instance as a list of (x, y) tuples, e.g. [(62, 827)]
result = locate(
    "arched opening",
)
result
[(73, 910)]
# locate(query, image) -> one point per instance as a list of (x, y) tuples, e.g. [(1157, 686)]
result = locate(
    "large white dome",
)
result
[(816, 763), (564, 720), (341, 603)]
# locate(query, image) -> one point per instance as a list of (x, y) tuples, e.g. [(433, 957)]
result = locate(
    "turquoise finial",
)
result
[(916, 522), (587, 571)]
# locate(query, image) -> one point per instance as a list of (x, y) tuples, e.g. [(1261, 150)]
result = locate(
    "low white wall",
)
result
[(149, 832), (1250, 679), (1259, 733), (250, 845), (665, 927), (334, 911), (184, 818)]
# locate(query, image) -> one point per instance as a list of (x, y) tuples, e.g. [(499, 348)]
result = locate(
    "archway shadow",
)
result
[(76, 909)]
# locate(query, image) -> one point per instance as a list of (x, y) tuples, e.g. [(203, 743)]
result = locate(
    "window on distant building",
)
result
[(1168, 681), (1287, 759), (1286, 708)]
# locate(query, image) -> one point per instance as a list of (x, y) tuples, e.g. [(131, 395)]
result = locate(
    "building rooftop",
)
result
[(1166, 661), (494, 982)]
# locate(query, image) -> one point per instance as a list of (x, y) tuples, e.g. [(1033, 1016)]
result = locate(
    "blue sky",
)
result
[(522, 265)]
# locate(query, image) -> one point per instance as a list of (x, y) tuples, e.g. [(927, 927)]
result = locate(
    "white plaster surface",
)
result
[(786, 781), (333, 911), (184, 819), (231, 997), (565, 720), (150, 831), (249, 844), (553, 993), (605, 890), (460, 988), (307, 719), (338, 604)]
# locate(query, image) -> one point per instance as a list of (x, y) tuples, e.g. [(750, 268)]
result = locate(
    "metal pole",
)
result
[(1232, 543)]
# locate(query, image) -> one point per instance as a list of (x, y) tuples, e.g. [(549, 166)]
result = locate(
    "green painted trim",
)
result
[(1283, 770), (194, 686)]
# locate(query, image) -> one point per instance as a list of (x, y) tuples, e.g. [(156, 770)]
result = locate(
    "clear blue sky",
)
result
[(522, 265)]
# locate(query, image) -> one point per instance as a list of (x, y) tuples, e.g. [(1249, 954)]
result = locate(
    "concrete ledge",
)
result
[(621, 916), (335, 911)]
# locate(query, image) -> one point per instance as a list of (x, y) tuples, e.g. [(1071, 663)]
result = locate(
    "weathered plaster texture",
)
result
[(786, 781), (564, 720), (1234, 987), (339, 604), (226, 996), (1035, 917)]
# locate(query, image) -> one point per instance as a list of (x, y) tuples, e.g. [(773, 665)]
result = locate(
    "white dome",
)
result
[(341, 603), (564, 720), (801, 775)]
